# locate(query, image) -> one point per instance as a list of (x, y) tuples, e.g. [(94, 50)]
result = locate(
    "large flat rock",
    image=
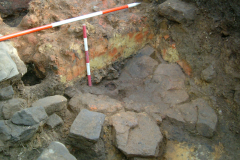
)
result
[(56, 151), (86, 128), (52, 104), (137, 135)]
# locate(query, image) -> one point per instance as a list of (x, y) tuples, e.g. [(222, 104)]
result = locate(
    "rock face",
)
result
[(30, 116), (137, 135), (52, 104), (8, 68), (56, 151), (54, 120), (7, 47), (101, 103), (11, 133), (86, 128), (177, 10), (11, 106), (6, 93)]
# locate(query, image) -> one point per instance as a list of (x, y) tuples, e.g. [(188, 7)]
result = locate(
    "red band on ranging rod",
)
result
[(115, 9)]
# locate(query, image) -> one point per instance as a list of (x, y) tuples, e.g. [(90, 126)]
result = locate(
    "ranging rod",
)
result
[(55, 24)]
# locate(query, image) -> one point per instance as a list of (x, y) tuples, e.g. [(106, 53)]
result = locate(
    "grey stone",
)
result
[(8, 68), (11, 106), (8, 48), (141, 67), (52, 104), (101, 103), (207, 118), (175, 96), (86, 128), (70, 92), (208, 74), (169, 70), (12, 133), (189, 112), (145, 51), (56, 151), (1, 114), (122, 123), (54, 120), (30, 116), (6, 93), (178, 11), (142, 139)]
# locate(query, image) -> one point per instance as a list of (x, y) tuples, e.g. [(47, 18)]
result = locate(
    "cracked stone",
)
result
[(137, 140)]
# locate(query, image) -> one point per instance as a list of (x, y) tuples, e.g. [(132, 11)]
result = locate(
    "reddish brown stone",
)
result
[(185, 66)]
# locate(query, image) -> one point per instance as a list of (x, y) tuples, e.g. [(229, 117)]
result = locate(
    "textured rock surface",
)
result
[(13, 133), (101, 103), (6, 93), (137, 134), (54, 120), (86, 128), (56, 151), (52, 104), (11, 106), (177, 10), (7, 47), (8, 68), (30, 116)]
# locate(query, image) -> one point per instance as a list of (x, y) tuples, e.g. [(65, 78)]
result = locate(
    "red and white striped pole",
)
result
[(56, 24), (87, 55)]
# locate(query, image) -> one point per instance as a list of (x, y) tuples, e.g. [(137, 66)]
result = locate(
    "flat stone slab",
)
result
[(175, 96), (52, 104), (6, 93), (54, 120), (11, 106), (101, 103), (137, 140), (86, 128), (30, 116), (56, 151)]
